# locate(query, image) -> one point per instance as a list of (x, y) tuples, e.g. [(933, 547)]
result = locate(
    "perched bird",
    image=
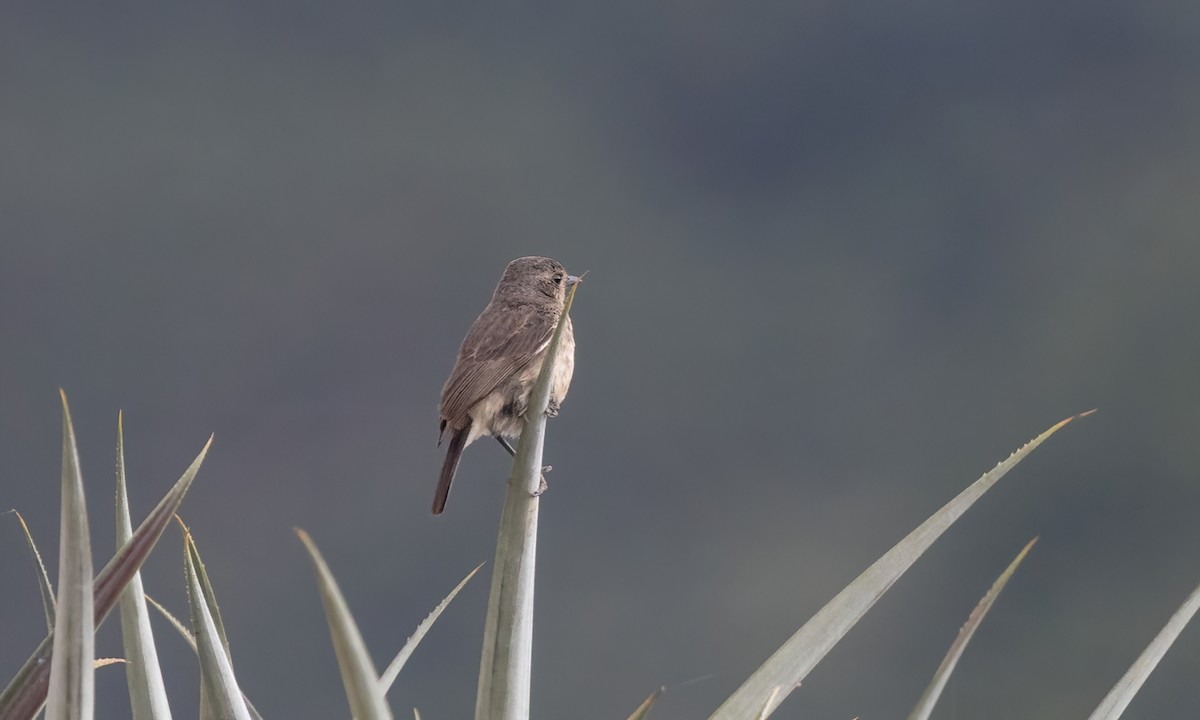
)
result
[(488, 390)]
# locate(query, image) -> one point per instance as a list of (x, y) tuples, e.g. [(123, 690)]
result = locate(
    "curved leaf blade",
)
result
[(218, 686), (210, 597), (44, 587), (397, 664), (1127, 687), (26, 692), (72, 672), (190, 639), (929, 698), (363, 690), (792, 662), (147, 691)]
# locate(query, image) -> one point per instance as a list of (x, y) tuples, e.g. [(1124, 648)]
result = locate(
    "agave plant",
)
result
[(59, 674)]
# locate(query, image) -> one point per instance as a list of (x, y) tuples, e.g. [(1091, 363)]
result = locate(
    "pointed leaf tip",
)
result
[(1076, 416), (204, 450), (800, 654), (28, 690), (397, 664), (933, 691), (71, 680), (359, 677)]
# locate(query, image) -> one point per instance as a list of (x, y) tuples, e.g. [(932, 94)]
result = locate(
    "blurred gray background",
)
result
[(843, 258)]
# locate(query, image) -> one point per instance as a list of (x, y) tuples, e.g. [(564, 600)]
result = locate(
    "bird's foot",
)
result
[(552, 408), (541, 488)]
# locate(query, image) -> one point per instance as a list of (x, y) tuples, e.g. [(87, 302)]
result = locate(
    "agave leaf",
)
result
[(1123, 692), (930, 697), (191, 641), (792, 662), (175, 623), (210, 597), (128, 560), (44, 586), (363, 689), (217, 683), (147, 692), (397, 664), (26, 692), (72, 677), (105, 662), (643, 710), (504, 669)]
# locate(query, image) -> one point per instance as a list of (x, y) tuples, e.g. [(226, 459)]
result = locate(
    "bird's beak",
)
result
[(573, 279)]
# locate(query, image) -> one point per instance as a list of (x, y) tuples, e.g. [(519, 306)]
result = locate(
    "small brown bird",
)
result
[(488, 390)]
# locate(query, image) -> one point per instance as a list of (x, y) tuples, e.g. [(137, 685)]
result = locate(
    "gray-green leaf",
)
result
[(929, 698), (792, 662), (147, 692), (223, 698), (363, 691), (72, 672), (1127, 687)]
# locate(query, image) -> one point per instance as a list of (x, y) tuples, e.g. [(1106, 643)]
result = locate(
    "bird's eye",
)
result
[(558, 279)]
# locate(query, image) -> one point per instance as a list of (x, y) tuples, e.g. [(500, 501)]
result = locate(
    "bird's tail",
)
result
[(458, 441)]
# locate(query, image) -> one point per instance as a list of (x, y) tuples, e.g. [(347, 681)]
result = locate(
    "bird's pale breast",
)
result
[(500, 412)]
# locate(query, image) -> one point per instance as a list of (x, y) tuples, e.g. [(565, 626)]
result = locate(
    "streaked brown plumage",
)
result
[(488, 390)]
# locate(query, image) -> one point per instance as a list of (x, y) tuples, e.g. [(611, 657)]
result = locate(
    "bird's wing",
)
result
[(498, 345)]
